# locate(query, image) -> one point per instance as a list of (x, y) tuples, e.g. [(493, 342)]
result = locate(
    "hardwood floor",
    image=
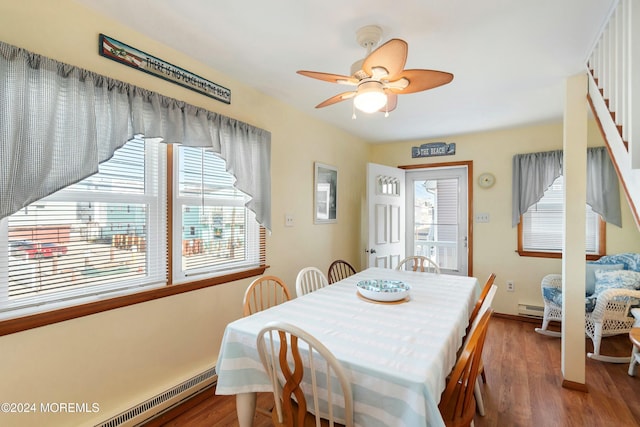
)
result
[(524, 382), (524, 387)]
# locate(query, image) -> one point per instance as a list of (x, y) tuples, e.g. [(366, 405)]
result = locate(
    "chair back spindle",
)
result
[(419, 263), (264, 292), (310, 279), (340, 269)]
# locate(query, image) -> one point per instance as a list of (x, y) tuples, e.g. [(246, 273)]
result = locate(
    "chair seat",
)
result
[(553, 295)]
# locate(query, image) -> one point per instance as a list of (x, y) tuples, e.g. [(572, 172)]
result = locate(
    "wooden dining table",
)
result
[(397, 355)]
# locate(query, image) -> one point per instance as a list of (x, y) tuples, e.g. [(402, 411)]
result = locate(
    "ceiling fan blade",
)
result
[(327, 77), (392, 102), (337, 98), (391, 56), (418, 80)]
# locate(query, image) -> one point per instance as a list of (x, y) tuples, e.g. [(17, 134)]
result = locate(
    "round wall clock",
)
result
[(486, 180)]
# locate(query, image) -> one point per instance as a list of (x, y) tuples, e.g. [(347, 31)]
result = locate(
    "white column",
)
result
[(573, 253)]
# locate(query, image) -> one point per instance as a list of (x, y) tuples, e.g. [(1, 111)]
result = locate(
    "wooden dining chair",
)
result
[(483, 295), (487, 301), (457, 403), (310, 279), (292, 356), (264, 292), (482, 305), (340, 269), (419, 263)]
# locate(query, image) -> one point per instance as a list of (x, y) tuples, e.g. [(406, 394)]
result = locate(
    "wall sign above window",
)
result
[(434, 149), (127, 55)]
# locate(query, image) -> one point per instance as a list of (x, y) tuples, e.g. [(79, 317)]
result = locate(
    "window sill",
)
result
[(588, 257), (19, 324)]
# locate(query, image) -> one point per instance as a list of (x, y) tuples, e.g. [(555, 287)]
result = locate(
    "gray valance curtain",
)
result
[(59, 122), (533, 173)]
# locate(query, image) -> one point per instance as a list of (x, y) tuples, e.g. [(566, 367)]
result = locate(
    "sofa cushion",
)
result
[(554, 295), (631, 261), (590, 279), (616, 279)]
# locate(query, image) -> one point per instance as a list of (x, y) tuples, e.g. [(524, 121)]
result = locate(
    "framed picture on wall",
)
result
[(325, 204)]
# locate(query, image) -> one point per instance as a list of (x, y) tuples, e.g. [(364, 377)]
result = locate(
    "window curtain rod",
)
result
[(58, 122)]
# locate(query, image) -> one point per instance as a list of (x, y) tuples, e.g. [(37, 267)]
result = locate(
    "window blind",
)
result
[(102, 235), (219, 234), (543, 223)]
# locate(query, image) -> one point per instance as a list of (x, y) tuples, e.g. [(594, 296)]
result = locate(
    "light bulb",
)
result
[(370, 97)]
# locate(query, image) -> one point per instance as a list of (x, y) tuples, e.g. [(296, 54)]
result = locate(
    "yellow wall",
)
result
[(123, 357), (495, 242)]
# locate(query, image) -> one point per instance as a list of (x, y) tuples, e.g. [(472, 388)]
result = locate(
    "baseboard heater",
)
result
[(163, 401), (531, 310)]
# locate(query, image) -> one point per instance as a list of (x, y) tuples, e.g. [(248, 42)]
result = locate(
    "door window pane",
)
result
[(435, 227)]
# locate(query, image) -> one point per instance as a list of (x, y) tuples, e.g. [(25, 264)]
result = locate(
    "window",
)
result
[(218, 234), (540, 229), (107, 235)]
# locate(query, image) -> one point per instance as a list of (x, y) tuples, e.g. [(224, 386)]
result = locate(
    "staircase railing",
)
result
[(612, 64)]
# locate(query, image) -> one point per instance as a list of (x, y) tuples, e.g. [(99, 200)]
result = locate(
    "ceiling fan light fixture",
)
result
[(380, 76), (370, 97)]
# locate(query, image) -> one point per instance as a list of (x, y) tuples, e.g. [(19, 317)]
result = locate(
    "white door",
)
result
[(385, 216), (437, 217)]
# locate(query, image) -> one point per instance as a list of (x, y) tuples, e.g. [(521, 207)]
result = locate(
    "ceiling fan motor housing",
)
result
[(369, 36)]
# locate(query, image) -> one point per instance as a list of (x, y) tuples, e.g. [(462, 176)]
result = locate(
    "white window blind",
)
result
[(103, 235), (218, 234), (542, 223)]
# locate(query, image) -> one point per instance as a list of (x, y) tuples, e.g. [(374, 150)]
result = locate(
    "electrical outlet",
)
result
[(510, 286), (288, 220)]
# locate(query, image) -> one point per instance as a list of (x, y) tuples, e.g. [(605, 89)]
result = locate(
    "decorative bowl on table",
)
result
[(383, 290)]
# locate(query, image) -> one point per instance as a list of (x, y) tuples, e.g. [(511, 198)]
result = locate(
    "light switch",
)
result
[(482, 217)]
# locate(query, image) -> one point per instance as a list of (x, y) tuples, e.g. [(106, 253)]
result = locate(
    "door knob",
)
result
[(372, 251)]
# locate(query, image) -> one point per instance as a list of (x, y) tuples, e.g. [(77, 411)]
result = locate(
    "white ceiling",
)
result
[(509, 57)]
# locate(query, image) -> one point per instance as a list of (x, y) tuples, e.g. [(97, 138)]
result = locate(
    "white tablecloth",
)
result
[(398, 356)]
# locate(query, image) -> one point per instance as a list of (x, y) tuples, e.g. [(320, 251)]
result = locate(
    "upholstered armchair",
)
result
[(612, 288)]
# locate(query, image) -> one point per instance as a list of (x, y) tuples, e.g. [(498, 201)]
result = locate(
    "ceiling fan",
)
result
[(380, 77)]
